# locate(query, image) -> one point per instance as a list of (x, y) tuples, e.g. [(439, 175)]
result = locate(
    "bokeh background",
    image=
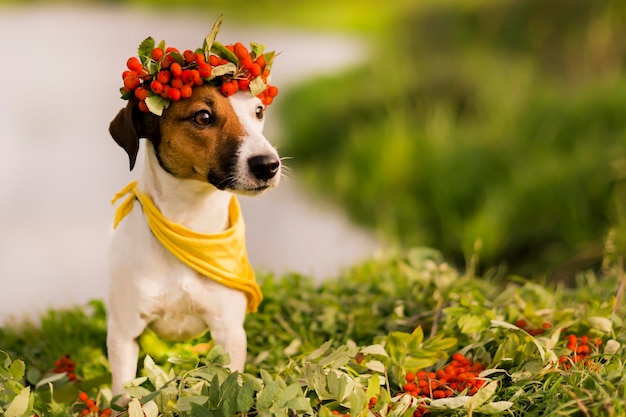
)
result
[(485, 128)]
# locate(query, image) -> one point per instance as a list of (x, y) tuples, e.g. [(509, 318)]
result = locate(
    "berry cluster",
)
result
[(160, 75), (461, 374), (89, 407), (523, 324), (65, 365), (580, 350)]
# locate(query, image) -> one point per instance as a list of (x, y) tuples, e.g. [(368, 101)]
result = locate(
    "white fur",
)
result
[(150, 287)]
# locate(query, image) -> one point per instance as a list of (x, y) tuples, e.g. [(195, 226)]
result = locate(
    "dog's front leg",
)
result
[(227, 329), (233, 340), (123, 353)]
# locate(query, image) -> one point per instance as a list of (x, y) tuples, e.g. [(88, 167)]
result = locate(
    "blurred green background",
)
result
[(472, 124)]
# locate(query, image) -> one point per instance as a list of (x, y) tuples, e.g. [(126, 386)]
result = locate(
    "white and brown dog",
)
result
[(198, 152)]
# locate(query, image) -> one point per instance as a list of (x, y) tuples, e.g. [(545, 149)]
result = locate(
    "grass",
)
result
[(375, 304)]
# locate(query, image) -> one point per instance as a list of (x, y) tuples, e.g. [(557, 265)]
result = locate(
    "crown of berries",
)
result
[(160, 75)]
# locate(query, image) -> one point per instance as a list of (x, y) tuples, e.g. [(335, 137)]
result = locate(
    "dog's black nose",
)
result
[(264, 167)]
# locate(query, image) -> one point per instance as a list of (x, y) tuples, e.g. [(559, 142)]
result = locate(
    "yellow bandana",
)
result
[(221, 256)]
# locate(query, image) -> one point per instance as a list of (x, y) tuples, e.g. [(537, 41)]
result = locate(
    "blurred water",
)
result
[(59, 167)]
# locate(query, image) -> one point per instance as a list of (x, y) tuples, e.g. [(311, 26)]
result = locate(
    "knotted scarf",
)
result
[(221, 257)]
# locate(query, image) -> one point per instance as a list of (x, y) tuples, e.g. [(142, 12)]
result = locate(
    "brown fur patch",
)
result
[(191, 151)]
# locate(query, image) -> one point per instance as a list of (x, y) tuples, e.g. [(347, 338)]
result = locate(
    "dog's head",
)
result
[(206, 137)]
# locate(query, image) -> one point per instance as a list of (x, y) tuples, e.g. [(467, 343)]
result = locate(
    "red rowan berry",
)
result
[(409, 386), (244, 84), (143, 106), (214, 60), (124, 75), (246, 62), (197, 79), (157, 54), (177, 83), (521, 323), (173, 94), (228, 89), (165, 64), (185, 91), (176, 70), (156, 87), (205, 70), (187, 76), (410, 377), (261, 61), (134, 64), (200, 58), (164, 76), (272, 91), (240, 50), (438, 394), (131, 81), (189, 56), (83, 396), (141, 93), (255, 70)]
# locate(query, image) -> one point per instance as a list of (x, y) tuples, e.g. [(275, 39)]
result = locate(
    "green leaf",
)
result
[(416, 339), (495, 407), (269, 59), (245, 397), (358, 402), (221, 51), (267, 396), (230, 390), (198, 410), (228, 68), (51, 378), (184, 403), (300, 404), (376, 366), (210, 37), (326, 345), (17, 369), (156, 104), (374, 350), (288, 394), (19, 405), (215, 393), (373, 387), (483, 394), (150, 409), (337, 385), (134, 408), (601, 323), (145, 50), (256, 49), (157, 375)]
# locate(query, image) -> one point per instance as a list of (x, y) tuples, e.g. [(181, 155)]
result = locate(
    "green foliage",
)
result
[(319, 350), (497, 126)]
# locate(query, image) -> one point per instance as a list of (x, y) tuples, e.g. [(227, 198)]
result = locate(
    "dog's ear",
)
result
[(130, 125)]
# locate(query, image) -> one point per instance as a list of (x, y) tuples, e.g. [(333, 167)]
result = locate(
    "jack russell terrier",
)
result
[(199, 151)]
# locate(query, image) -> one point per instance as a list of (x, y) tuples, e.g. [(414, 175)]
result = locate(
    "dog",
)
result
[(198, 153)]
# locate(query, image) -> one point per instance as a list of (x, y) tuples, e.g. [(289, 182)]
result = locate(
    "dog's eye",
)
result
[(203, 118), (259, 112)]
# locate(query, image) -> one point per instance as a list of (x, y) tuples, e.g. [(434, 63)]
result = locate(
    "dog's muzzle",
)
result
[(264, 167)]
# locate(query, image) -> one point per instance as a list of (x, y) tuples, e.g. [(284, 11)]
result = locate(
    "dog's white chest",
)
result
[(151, 285)]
